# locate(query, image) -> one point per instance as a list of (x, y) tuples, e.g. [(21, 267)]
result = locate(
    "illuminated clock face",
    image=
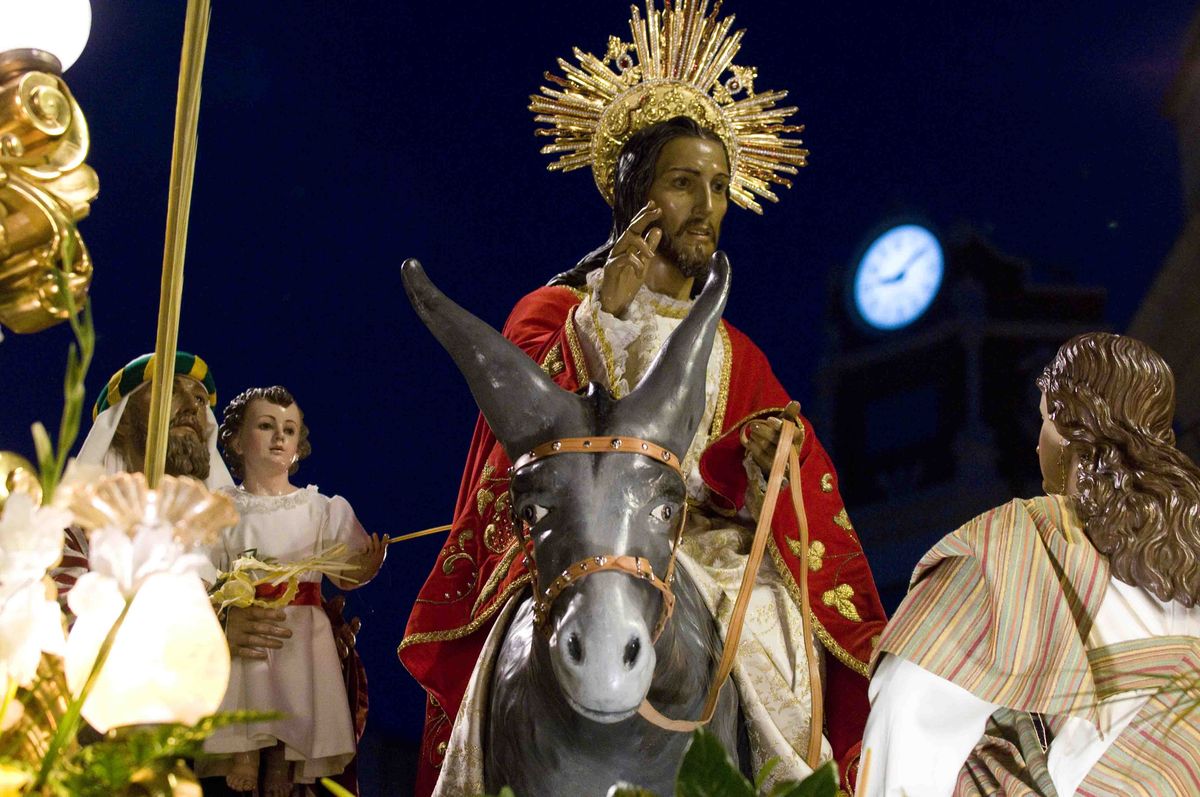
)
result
[(898, 277)]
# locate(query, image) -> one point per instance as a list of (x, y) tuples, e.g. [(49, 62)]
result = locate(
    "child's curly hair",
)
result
[(235, 416)]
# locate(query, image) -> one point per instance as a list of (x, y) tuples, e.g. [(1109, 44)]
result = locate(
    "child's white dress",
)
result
[(303, 679)]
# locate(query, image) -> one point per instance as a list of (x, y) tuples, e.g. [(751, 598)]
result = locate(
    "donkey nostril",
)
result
[(574, 648), (632, 648)]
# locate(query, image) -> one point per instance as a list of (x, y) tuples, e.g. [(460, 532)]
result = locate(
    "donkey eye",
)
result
[(662, 512), (532, 513)]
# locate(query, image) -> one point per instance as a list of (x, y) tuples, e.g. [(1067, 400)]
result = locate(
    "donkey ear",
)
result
[(521, 404), (668, 403)]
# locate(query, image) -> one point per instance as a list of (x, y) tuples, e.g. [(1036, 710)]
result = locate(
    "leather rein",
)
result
[(786, 459)]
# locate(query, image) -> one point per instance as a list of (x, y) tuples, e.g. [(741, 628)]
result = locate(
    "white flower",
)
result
[(130, 560), (30, 622), (31, 539)]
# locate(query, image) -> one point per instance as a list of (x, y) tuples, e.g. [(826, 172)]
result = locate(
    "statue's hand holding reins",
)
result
[(629, 259), (761, 437)]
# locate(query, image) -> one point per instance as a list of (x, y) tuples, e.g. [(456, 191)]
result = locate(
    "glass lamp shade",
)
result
[(59, 27), (168, 663)]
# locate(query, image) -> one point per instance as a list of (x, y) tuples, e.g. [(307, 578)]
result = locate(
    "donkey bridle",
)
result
[(786, 459), (636, 566)]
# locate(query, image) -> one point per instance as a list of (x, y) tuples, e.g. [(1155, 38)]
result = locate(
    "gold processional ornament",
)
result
[(18, 474), (124, 501), (45, 187), (680, 63)]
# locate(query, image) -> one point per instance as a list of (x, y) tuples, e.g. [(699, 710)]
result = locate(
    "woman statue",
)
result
[(1051, 646)]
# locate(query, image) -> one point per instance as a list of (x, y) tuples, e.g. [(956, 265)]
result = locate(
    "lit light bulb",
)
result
[(59, 27), (169, 661)]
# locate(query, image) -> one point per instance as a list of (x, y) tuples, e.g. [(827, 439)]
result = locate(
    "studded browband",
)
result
[(596, 445)]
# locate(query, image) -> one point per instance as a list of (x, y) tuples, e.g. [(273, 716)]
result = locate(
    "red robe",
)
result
[(480, 566)]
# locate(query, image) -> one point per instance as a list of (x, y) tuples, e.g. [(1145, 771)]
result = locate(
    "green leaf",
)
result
[(106, 767), (821, 783), (706, 770), (765, 773)]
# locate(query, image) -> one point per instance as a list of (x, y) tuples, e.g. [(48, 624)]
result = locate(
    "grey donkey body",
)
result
[(563, 699)]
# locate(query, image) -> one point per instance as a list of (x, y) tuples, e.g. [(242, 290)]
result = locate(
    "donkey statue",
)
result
[(611, 623)]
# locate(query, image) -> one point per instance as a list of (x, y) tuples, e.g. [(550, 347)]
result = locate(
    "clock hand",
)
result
[(899, 275)]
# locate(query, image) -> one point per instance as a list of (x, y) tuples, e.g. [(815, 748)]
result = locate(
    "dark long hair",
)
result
[(631, 186), (1138, 495)]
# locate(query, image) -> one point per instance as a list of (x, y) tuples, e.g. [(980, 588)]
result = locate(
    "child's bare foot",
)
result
[(244, 774), (277, 781)]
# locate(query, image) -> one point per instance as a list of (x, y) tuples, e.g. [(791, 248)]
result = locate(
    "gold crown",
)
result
[(674, 67)]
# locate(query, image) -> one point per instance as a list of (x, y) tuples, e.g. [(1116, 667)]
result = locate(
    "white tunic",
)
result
[(303, 679)]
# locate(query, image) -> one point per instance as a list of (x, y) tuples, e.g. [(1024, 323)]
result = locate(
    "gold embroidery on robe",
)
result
[(816, 553), (482, 499), (843, 520), (425, 637), (839, 598), (456, 551), (498, 574), (553, 364), (491, 538), (827, 483)]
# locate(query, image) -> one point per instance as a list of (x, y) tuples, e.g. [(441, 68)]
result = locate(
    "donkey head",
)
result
[(585, 506)]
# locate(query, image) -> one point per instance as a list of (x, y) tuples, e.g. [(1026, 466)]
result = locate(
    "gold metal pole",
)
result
[(179, 203)]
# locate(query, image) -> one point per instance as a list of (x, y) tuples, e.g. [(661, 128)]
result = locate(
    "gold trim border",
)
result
[(723, 391), (489, 588), (606, 351), (581, 370), (471, 627)]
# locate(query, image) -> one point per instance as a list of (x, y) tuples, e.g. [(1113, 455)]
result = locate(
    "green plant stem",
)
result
[(9, 693), (79, 359), (69, 724)]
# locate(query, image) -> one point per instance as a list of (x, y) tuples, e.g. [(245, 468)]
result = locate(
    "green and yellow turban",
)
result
[(141, 370)]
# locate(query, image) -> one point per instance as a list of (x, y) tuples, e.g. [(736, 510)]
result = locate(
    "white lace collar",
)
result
[(249, 503)]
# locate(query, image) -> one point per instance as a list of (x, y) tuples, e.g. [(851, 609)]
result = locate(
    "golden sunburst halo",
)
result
[(679, 63)]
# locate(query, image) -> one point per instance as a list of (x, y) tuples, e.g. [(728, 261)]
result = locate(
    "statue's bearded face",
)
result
[(187, 441), (691, 185)]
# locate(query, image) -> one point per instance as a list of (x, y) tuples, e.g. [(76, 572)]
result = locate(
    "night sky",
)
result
[(337, 139)]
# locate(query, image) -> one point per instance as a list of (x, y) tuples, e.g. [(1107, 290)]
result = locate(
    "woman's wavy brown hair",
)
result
[(235, 416), (1138, 496)]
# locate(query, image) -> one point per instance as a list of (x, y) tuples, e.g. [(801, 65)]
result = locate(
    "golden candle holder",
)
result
[(45, 187)]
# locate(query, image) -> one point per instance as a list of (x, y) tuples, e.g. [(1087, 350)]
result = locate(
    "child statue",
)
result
[(264, 437)]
